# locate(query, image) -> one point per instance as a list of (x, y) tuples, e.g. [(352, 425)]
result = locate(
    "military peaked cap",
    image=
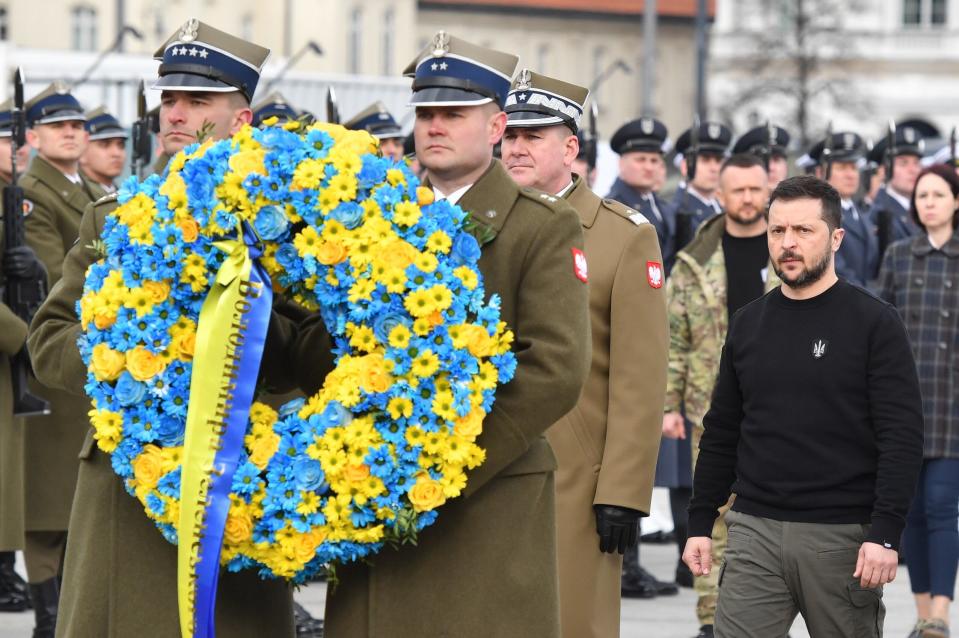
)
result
[(273, 105), (200, 58), (54, 104), (714, 138), (377, 120), (103, 126), (846, 147), (646, 134), (6, 118), (909, 141), (538, 100), (754, 141), (454, 72)]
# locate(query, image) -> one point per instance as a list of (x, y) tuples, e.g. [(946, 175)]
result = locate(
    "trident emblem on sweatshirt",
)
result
[(819, 349)]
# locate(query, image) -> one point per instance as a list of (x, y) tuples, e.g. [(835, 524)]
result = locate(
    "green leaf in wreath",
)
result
[(481, 232), (98, 247)]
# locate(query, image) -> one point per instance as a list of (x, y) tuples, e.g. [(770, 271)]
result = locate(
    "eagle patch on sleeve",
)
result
[(580, 268)]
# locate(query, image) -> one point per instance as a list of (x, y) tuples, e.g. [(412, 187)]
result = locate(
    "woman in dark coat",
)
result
[(920, 276)]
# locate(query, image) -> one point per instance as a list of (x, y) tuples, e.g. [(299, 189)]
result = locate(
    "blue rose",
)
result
[(291, 407), (309, 474), (287, 256), (350, 214), (384, 324), (335, 415), (128, 390), (270, 223), (466, 249)]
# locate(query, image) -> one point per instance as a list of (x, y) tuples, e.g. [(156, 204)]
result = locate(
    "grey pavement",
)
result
[(664, 617)]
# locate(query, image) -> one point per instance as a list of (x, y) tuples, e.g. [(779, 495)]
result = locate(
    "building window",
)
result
[(355, 40), (84, 28), (924, 13), (389, 25), (4, 25), (542, 57)]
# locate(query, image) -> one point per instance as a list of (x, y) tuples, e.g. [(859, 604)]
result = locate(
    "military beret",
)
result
[(273, 105), (909, 141), (201, 58), (646, 134), (377, 120), (538, 100), (6, 118), (103, 126), (845, 147), (713, 138), (454, 72), (54, 104), (755, 140)]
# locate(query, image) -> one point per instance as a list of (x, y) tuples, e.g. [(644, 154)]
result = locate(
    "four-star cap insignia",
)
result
[(580, 268), (524, 81), (654, 274), (188, 31), (441, 44)]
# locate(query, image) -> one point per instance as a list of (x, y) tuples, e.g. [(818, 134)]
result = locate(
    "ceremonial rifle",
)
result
[(141, 144), (827, 153), (952, 146), (592, 138), (884, 216), (766, 152), (332, 110), (684, 217), (22, 296)]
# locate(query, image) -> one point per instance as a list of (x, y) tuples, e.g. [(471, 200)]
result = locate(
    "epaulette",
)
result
[(106, 199), (625, 211), (552, 202)]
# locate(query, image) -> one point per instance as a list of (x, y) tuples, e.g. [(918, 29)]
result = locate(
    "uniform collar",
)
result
[(584, 201), (454, 197), (899, 199), (491, 198), (921, 246)]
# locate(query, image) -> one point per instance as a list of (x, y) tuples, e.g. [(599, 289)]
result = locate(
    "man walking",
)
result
[(816, 425), (725, 267), (606, 446)]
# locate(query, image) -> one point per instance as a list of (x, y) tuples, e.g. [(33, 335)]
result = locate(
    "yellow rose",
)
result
[(304, 547), (426, 494), (263, 449), (330, 253), (424, 196), (357, 473), (143, 364), (239, 528), (104, 319), (246, 162), (159, 290), (478, 341), (185, 345), (148, 466), (470, 426), (375, 376), (106, 363)]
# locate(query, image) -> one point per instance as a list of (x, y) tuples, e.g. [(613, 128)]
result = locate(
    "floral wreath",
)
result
[(337, 228)]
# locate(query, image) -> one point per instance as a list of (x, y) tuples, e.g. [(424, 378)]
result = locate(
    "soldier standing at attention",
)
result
[(380, 124), (103, 161), (23, 262), (700, 157), (890, 211), (56, 194), (119, 576), (452, 583), (606, 446), (769, 143), (274, 105), (641, 144), (725, 267)]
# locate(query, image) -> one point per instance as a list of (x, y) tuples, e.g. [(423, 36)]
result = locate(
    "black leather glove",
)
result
[(617, 527), (21, 262)]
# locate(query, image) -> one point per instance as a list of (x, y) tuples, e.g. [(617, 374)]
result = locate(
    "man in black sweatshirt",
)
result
[(816, 425)]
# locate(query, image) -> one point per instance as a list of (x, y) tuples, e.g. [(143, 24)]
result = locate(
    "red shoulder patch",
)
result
[(580, 268), (654, 274)]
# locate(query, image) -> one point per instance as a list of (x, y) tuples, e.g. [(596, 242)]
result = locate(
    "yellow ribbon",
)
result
[(209, 380)]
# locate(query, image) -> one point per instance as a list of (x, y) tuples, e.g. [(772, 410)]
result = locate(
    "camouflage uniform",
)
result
[(696, 290)]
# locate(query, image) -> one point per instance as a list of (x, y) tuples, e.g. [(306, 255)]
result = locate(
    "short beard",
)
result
[(739, 220), (808, 276)]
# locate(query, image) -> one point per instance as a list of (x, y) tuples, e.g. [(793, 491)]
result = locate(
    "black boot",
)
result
[(13, 589), (46, 597), (631, 583), (306, 625)]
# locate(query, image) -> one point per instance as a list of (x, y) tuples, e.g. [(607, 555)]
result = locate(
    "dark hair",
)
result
[(809, 187), (741, 160), (947, 173)]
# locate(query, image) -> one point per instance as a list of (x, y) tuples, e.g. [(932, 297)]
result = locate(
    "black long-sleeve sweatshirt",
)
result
[(816, 416)]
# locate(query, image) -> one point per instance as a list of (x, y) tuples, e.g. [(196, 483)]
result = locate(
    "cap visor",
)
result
[(388, 134), (61, 116), (112, 134), (443, 96), (190, 82), (529, 118)]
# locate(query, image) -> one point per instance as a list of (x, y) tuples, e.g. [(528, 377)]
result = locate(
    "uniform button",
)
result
[(918, 281), (947, 283), (491, 214), (942, 345), (945, 314)]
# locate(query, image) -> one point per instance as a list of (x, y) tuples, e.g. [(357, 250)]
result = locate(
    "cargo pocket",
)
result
[(868, 611)]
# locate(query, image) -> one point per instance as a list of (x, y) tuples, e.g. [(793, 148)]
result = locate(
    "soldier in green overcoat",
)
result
[(487, 567), (119, 575)]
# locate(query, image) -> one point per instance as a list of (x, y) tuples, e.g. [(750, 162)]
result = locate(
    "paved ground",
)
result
[(669, 617)]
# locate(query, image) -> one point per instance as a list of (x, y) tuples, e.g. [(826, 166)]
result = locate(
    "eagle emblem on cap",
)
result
[(646, 126), (524, 80), (188, 31), (848, 140), (713, 130), (441, 44), (909, 134), (61, 88)]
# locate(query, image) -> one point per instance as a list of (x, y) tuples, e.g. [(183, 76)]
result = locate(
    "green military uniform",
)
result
[(51, 443), (487, 567), (13, 334), (698, 321)]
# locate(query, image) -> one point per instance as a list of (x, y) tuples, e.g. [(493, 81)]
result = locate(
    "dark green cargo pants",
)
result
[(774, 570)]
